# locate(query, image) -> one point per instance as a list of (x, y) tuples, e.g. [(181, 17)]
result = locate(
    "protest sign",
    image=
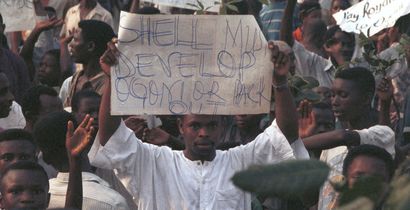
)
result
[(213, 7), (18, 15), (181, 64), (371, 16)]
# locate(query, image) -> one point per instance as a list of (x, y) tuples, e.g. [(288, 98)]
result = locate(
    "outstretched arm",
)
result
[(27, 51), (108, 124), (332, 139), (285, 109), (76, 143)]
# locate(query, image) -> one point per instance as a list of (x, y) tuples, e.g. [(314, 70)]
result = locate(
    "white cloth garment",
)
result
[(15, 119), (160, 178), (311, 64), (97, 194)]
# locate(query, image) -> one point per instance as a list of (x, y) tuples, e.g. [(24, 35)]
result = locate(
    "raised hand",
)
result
[(77, 141), (110, 57), (156, 136), (384, 89), (281, 63), (136, 124), (306, 121), (49, 24)]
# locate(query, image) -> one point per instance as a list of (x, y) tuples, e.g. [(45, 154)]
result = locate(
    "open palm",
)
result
[(78, 140)]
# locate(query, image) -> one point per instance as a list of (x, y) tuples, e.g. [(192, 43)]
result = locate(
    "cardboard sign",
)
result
[(371, 16), (18, 15), (213, 7), (191, 64)]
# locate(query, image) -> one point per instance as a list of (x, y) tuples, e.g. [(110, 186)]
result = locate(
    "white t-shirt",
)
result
[(15, 119)]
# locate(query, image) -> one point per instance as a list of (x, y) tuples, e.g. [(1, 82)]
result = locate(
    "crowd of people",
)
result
[(60, 147)]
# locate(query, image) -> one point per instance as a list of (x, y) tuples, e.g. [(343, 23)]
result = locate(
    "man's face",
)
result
[(78, 47), (49, 104), (16, 150), (89, 106), (325, 93), (347, 102), (247, 121), (348, 45), (366, 166), (26, 189), (6, 97), (48, 73), (201, 133), (312, 16), (325, 121)]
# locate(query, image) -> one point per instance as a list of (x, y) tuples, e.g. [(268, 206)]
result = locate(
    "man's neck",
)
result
[(92, 68), (365, 121), (88, 4)]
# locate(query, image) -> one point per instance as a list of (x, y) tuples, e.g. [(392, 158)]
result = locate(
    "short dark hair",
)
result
[(307, 7), (24, 165), (50, 133), (75, 102), (16, 134), (344, 4), (148, 10), (330, 33), (403, 23), (98, 32), (371, 151), (362, 77), (30, 103), (55, 53)]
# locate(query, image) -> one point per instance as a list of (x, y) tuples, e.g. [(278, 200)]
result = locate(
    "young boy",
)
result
[(24, 185)]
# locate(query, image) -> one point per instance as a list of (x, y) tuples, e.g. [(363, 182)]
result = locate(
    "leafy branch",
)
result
[(200, 7)]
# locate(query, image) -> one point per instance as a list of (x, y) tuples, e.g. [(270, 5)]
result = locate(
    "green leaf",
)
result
[(232, 7), (297, 81), (399, 195), (266, 2), (200, 4), (292, 178), (311, 83), (309, 95), (193, 5), (234, 1), (361, 203)]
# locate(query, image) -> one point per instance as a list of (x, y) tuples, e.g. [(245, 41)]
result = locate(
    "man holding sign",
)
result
[(199, 176)]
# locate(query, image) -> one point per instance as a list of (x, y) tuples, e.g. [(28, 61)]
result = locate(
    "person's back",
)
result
[(50, 133)]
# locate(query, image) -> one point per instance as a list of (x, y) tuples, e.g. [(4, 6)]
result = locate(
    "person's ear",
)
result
[(179, 122)]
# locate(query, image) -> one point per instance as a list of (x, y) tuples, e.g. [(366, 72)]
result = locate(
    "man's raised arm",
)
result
[(285, 109), (108, 124)]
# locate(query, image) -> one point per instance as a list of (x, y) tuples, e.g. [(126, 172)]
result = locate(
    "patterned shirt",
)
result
[(271, 18)]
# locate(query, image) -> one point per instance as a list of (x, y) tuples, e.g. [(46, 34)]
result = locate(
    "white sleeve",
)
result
[(269, 147), (378, 135), (299, 150), (132, 159)]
